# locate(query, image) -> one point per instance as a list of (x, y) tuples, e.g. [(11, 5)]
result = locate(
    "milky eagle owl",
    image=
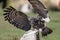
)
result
[(21, 20)]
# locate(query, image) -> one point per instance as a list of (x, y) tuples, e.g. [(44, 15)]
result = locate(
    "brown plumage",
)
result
[(42, 11), (39, 8), (17, 18), (20, 20), (46, 31)]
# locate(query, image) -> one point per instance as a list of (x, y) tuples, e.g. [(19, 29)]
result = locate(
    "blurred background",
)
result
[(8, 32)]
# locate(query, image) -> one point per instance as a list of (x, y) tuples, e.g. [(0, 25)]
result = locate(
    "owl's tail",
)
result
[(46, 31)]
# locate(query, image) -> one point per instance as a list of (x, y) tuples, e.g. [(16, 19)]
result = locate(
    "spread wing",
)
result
[(39, 8), (17, 18)]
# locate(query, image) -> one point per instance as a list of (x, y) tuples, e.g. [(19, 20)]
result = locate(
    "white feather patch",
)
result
[(40, 30), (46, 19)]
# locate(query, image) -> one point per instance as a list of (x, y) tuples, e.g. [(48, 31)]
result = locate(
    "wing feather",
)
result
[(17, 18), (39, 7)]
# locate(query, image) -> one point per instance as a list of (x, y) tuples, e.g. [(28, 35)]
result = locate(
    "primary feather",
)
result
[(17, 18)]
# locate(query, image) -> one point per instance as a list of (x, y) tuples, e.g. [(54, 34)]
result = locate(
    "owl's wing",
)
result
[(39, 7), (17, 18)]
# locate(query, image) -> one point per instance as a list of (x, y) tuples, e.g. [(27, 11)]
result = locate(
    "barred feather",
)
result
[(17, 18), (39, 8)]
